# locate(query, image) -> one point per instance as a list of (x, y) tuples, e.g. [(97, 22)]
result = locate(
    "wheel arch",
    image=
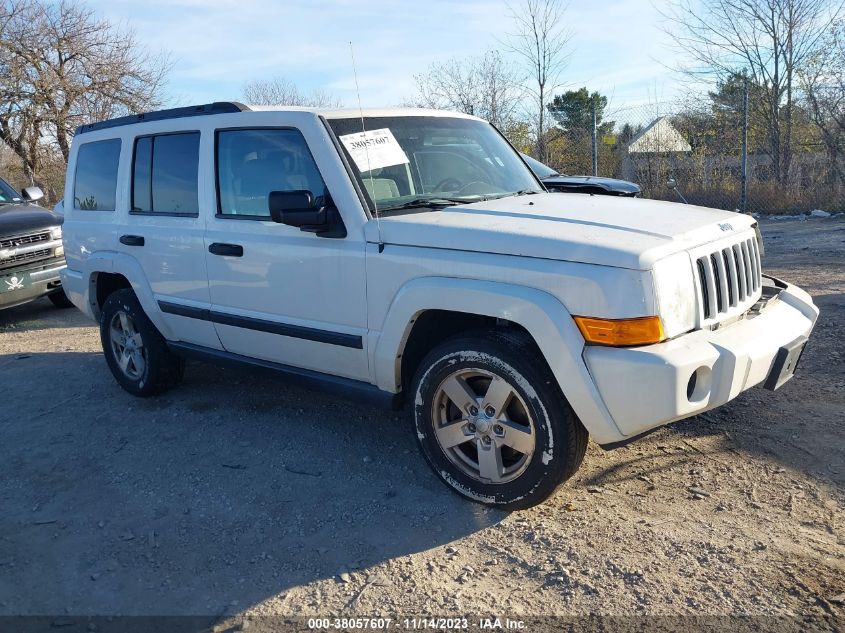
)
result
[(543, 317), (108, 272)]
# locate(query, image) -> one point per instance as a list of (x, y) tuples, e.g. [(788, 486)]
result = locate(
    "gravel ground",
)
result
[(236, 494)]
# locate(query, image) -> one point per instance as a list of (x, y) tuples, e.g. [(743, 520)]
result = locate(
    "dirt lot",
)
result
[(238, 494)]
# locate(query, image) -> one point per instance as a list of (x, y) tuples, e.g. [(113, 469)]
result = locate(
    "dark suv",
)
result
[(582, 184), (31, 252)]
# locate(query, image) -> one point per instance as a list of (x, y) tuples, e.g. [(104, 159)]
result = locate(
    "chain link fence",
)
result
[(722, 159)]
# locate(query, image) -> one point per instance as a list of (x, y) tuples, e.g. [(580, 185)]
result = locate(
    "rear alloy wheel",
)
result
[(127, 345), (492, 421), (135, 351)]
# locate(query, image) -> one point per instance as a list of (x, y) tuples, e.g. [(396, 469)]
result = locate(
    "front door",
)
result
[(278, 293)]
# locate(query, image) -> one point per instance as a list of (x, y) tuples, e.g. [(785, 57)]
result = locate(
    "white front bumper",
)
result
[(646, 387)]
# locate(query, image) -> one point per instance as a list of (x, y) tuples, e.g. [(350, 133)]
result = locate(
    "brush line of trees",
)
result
[(61, 66)]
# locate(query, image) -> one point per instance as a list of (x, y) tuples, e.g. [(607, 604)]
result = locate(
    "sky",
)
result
[(216, 46)]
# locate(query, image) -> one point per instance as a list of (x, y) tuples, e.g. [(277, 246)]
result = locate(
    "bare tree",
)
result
[(823, 82), (282, 91), (770, 40), (60, 67), (485, 86), (541, 41)]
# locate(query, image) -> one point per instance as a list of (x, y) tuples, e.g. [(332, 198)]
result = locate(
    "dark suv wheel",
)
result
[(492, 421), (135, 351), (60, 300)]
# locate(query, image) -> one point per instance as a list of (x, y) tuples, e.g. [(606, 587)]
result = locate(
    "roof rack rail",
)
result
[(218, 107)]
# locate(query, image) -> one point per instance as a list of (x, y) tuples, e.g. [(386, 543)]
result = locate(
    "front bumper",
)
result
[(647, 387), (34, 283)]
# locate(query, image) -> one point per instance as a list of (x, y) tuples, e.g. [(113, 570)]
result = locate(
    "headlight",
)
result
[(759, 235), (674, 286), (56, 232)]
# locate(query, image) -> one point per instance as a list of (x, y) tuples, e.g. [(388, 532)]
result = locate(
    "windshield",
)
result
[(542, 171), (7, 194), (418, 161)]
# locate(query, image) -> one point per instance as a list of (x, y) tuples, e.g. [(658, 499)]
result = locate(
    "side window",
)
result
[(95, 182), (164, 174), (142, 182), (252, 163)]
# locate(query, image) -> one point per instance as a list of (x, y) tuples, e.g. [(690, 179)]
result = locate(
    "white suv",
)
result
[(412, 256)]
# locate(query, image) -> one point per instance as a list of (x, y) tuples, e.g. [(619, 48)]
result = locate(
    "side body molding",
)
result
[(541, 314)]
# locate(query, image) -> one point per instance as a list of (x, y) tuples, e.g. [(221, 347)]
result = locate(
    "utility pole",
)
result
[(595, 141), (743, 203)]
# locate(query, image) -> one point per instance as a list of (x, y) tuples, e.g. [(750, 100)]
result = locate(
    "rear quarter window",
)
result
[(95, 182)]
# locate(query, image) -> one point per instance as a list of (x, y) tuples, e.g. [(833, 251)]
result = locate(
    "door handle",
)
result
[(226, 250), (132, 240)]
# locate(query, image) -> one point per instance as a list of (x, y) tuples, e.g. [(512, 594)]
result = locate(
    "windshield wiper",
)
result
[(434, 203), (523, 192)]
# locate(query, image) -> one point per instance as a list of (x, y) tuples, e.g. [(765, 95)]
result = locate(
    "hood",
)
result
[(16, 219), (609, 231), (611, 185)]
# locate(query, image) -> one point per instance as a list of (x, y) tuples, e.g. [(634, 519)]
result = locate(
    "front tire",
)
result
[(59, 300), (492, 421), (136, 353)]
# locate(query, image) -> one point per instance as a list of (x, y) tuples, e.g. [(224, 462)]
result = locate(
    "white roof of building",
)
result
[(659, 136)]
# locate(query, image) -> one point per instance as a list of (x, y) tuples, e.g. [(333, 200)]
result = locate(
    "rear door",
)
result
[(163, 229)]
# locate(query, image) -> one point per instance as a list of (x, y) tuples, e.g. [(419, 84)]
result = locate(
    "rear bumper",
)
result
[(41, 282), (647, 387), (76, 289)]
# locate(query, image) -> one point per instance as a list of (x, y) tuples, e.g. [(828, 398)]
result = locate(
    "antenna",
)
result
[(366, 149)]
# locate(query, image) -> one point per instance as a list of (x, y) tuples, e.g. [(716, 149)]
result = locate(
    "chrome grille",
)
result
[(729, 278), (24, 240), (14, 260)]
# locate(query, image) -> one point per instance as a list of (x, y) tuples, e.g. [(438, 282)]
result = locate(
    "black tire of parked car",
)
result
[(163, 369), (560, 438), (60, 300)]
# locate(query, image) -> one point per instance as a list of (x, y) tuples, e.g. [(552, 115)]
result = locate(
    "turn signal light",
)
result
[(618, 332)]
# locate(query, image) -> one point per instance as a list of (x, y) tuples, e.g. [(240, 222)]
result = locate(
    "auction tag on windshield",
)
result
[(374, 149)]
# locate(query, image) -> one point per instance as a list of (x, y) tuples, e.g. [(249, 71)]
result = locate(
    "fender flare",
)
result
[(542, 315), (113, 262)]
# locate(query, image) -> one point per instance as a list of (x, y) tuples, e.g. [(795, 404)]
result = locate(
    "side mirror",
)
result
[(295, 208), (32, 194), (673, 186)]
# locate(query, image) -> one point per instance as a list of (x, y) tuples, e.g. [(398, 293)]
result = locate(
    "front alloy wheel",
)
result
[(492, 421), (483, 425)]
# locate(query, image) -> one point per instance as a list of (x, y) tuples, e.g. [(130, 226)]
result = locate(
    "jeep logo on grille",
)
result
[(726, 226)]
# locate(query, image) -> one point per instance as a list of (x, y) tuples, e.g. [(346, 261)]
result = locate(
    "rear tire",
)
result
[(136, 353), (492, 421)]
